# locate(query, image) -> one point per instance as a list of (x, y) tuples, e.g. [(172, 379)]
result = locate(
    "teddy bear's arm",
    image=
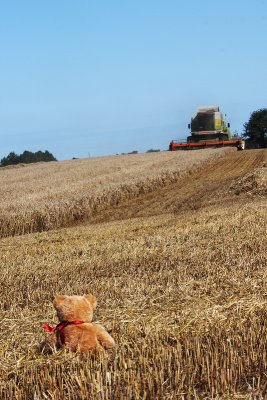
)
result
[(104, 337)]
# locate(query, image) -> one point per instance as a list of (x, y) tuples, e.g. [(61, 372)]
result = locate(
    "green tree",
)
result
[(256, 127), (11, 159), (47, 156), (27, 157)]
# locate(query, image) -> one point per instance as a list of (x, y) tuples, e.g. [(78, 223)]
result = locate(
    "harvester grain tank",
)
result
[(208, 129)]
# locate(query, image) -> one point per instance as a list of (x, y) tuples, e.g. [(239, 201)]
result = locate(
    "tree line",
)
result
[(27, 157)]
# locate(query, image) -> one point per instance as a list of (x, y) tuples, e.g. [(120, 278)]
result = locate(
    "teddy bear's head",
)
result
[(74, 308)]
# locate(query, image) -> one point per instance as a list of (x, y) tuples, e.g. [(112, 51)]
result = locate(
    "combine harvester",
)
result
[(208, 129)]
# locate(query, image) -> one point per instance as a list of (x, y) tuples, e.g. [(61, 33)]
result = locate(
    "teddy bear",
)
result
[(76, 330)]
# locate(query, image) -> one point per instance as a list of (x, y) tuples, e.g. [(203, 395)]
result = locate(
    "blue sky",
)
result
[(94, 78)]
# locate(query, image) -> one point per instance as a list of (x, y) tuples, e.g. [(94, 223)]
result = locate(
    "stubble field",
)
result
[(180, 275), (51, 195)]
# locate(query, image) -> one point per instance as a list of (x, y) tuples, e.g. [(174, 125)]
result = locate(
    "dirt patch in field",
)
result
[(254, 183), (207, 186)]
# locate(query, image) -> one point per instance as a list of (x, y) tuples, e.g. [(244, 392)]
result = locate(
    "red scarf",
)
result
[(59, 329)]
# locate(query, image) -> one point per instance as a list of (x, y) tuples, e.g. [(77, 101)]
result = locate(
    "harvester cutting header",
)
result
[(208, 129)]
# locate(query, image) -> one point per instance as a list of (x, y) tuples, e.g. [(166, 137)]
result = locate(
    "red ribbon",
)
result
[(59, 328)]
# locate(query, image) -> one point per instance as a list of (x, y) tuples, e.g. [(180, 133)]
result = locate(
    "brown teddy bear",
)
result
[(75, 329)]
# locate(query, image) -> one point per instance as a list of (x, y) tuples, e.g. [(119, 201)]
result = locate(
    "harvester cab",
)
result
[(208, 124)]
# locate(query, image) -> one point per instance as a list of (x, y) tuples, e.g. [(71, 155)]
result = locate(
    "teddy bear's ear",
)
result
[(58, 300), (91, 299)]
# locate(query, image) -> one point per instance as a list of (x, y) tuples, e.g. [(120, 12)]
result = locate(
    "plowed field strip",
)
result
[(204, 187)]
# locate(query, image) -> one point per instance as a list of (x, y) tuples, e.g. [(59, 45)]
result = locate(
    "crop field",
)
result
[(44, 196), (177, 260)]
